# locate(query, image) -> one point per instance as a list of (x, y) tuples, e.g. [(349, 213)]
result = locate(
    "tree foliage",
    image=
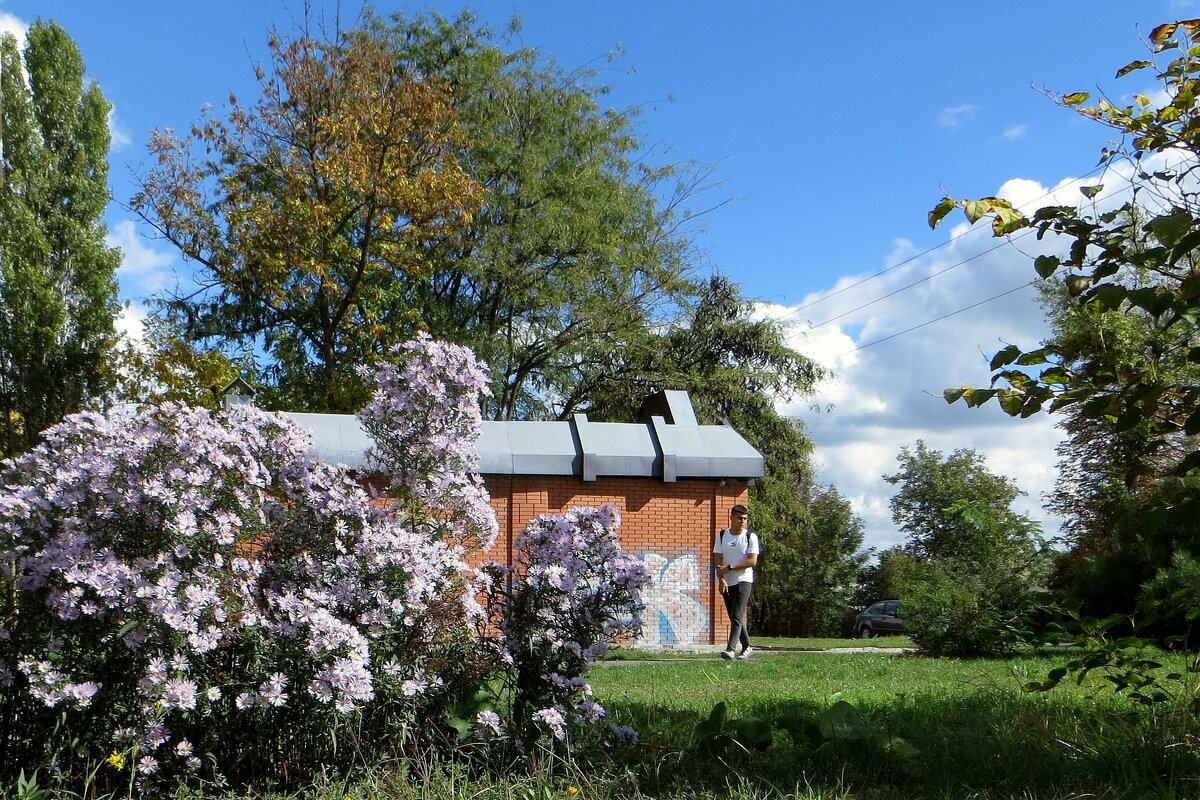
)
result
[(970, 561), (1123, 365), (579, 246), (57, 290), (309, 210)]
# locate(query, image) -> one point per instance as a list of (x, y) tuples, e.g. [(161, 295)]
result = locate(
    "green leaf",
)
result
[(1077, 284), (1006, 356), (1110, 295), (841, 722), (1046, 265), (1091, 191), (1076, 98), (976, 209), (1186, 244), (1132, 66), (977, 397), (1008, 220), (751, 732), (940, 211), (1011, 401), (954, 395), (1171, 228)]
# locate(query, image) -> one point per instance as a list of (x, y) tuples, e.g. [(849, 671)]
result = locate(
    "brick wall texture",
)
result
[(671, 526)]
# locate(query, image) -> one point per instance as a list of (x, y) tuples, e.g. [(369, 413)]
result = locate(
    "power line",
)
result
[(1098, 168), (932, 321), (922, 280)]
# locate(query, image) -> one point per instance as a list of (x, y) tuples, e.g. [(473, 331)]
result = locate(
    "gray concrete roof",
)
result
[(669, 444)]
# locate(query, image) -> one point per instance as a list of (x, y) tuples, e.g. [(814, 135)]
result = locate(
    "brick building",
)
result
[(673, 480)]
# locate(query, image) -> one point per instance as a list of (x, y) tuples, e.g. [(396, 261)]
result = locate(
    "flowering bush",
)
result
[(187, 593), (424, 419), (186, 586), (571, 593)]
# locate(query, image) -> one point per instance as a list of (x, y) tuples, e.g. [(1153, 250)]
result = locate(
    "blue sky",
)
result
[(835, 128)]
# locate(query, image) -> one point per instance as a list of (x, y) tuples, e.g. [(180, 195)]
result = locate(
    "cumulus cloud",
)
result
[(10, 24), (131, 322), (1014, 132), (954, 116), (891, 361), (143, 270)]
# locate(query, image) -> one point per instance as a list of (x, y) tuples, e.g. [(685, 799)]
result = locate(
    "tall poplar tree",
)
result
[(58, 293)]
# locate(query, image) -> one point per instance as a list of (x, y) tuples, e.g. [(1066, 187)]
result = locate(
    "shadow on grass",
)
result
[(985, 745)]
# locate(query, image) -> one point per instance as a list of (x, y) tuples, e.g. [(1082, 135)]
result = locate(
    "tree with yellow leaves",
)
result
[(309, 210)]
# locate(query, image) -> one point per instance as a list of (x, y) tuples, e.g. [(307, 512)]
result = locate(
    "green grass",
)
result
[(978, 734), (763, 645)]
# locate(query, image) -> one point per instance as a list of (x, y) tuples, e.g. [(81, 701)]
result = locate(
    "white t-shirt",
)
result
[(735, 549)]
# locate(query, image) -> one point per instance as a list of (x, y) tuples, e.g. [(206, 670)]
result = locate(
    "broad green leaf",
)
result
[(1187, 244), (1011, 401), (976, 209), (842, 722), (977, 397), (751, 732), (1008, 220), (1170, 228), (1076, 98), (1091, 191), (1110, 295), (940, 211), (954, 395), (1006, 356), (1077, 284), (1046, 265)]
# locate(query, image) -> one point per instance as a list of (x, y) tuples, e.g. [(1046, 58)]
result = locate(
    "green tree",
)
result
[(57, 286), (970, 561), (309, 211), (928, 506), (579, 246), (1130, 387)]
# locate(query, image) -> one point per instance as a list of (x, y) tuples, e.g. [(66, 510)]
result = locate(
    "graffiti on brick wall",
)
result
[(674, 613)]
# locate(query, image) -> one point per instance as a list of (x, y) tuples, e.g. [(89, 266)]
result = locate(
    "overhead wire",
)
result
[(937, 319), (949, 241), (1091, 173)]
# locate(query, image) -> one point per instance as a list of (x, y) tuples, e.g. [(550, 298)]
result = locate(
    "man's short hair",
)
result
[(739, 509)]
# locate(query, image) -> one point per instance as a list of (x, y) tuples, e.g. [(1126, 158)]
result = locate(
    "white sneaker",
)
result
[(749, 651), (727, 655)]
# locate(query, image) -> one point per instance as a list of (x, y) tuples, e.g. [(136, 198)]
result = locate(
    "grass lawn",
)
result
[(976, 734)]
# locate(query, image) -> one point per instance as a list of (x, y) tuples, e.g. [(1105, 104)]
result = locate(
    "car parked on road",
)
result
[(881, 619)]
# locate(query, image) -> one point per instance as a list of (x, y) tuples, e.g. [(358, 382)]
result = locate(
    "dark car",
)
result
[(881, 619)]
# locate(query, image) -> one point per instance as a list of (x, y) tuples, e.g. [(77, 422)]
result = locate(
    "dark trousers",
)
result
[(737, 599)]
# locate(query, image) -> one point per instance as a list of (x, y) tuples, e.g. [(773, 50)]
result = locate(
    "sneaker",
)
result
[(749, 651), (727, 655)]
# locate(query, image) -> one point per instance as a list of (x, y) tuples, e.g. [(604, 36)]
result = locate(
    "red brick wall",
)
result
[(670, 525)]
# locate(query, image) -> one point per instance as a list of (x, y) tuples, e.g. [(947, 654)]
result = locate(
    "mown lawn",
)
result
[(976, 734), (968, 732)]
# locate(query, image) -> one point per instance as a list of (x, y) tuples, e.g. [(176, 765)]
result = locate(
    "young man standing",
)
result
[(736, 552)]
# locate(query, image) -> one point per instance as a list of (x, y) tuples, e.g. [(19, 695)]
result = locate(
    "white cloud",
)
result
[(954, 116), (143, 270), (120, 135), (887, 392), (131, 322), (10, 24), (1015, 132)]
